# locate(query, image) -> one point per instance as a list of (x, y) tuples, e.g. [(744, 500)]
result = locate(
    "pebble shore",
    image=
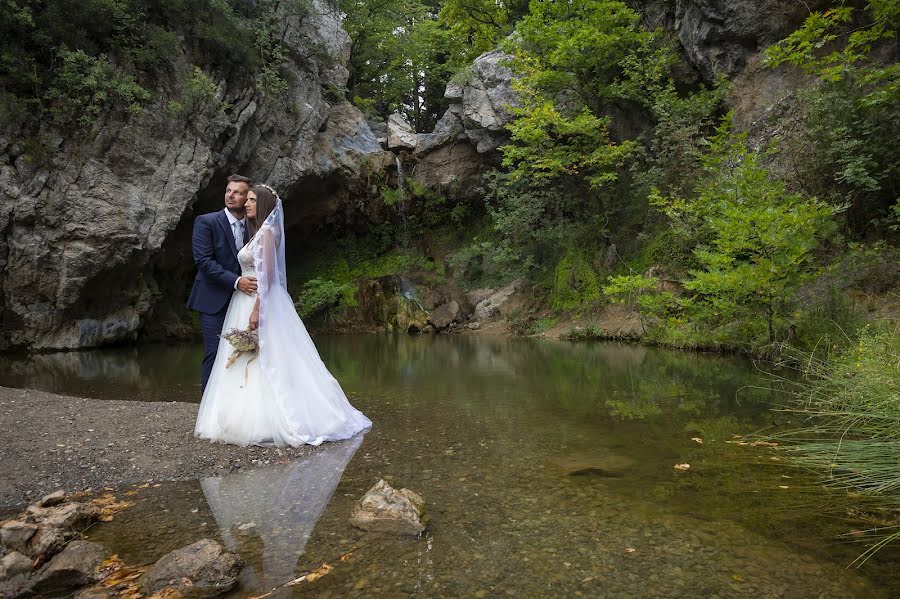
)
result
[(55, 442)]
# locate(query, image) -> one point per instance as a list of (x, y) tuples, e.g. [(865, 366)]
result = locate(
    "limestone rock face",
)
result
[(385, 509), (719, 36), (482, 103), (76, 566), (400, 134), (86, 236), (488, 307), (205, 569)]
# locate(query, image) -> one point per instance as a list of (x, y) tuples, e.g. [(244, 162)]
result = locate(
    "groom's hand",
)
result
[(247, 284)]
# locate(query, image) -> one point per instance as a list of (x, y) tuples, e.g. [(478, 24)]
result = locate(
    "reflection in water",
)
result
[(548, 469), (154, 372), (267, 515)]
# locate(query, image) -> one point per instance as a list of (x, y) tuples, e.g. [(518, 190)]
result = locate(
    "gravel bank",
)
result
[(58, 442)]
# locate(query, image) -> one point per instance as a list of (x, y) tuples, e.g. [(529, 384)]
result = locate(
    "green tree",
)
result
[(851, 118), (756, 240)]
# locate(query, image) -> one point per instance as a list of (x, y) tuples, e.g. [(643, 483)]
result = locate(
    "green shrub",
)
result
[(322, 296), (85, 86), (575, 284)]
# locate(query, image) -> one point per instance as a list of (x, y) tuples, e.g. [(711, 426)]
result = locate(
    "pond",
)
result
[(548, 469)]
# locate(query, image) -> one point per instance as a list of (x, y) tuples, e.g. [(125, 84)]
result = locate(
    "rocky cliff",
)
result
[(90, 236), (95, 239)]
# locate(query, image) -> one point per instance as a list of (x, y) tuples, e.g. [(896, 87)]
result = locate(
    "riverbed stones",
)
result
[(14, 564), (55, 498), (385, 509), (16, 534), (75, 566), (204, 569), (68, 515), (442, 316)]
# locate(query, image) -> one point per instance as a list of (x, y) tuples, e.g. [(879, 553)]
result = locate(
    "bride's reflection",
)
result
[(267, 515)]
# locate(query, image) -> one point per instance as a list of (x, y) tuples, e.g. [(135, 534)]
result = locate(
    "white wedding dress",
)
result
[(285, 396)]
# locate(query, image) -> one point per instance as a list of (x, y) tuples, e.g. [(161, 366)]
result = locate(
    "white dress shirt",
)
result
[(238, 233)]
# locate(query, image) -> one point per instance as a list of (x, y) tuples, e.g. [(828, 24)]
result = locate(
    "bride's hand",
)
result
[(254, 321)]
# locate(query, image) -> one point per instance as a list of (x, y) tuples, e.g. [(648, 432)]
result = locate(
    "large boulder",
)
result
[(75, 566), (14, 564), (204, 569), (401, 135), (442, 316), (16, 534), (385, 509)]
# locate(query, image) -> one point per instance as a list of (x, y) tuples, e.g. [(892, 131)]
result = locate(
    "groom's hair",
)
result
[(240, 179)]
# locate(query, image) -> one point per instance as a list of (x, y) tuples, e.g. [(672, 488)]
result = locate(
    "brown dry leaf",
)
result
[(131, 492), (319, 572), (857, 533), (682, 466), (697, 440)]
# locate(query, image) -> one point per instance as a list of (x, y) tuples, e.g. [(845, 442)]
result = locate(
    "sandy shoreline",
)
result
[(55, 442)]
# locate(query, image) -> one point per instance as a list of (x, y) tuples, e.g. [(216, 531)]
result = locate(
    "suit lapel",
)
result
[(229, 234)]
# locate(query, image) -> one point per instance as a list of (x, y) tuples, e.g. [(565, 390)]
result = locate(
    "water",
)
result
[(548, 469)]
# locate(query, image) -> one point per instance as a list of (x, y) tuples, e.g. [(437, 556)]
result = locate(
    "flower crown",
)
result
[(270, 188)]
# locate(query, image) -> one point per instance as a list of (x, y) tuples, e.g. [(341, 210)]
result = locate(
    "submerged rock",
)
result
[(385, 509), (76, 566), (205, 569), (593, 464)]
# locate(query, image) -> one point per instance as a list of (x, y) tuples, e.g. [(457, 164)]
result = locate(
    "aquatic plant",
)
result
[(851, 403)]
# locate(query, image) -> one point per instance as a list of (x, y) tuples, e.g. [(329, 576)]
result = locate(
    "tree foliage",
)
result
[(755, 240), (74, 60)]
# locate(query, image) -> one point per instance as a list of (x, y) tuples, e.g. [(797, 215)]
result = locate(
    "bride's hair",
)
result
[(265, 204)]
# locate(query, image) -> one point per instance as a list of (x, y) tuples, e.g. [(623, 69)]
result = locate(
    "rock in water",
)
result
[(385, 509), (76, 566), (205, 569)]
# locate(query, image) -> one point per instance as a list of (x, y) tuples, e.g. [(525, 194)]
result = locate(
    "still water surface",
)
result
[(548, 469)]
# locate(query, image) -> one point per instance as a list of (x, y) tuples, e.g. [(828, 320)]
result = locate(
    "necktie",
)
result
[(238, 227)]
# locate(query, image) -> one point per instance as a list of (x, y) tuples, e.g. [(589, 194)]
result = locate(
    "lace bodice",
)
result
[(246, 259)]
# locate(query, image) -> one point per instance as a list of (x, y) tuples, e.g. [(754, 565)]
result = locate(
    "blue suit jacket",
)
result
[(215, 255)]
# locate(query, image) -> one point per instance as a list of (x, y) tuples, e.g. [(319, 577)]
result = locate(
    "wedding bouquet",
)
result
[(243, 341)]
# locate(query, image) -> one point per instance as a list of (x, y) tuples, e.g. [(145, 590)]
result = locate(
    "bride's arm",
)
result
[(267, 267)]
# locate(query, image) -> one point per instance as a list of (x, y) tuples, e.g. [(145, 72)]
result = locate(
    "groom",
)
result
[(216, 240)]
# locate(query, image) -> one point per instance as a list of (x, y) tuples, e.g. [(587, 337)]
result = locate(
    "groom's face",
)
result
[(236, 196)]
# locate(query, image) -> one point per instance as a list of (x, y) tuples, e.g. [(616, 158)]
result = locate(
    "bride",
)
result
[(286, 396)]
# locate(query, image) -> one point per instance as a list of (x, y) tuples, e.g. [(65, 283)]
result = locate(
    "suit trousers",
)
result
[(211, 326)]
